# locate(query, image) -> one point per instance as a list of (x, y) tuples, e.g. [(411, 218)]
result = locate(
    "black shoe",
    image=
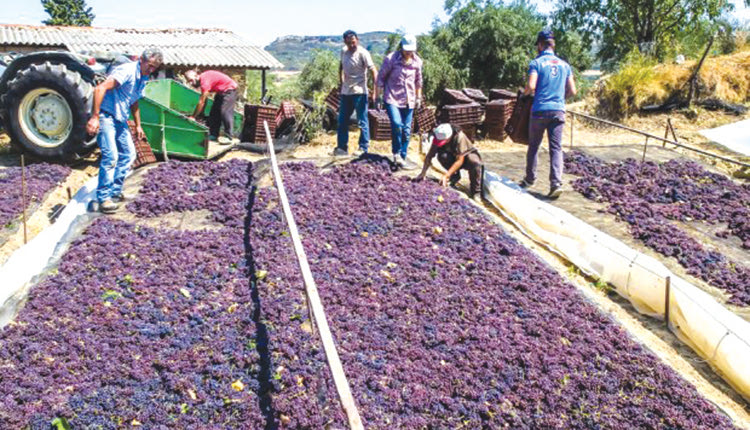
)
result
[(338, 152), (555, 192), (118, 198), (525, 184)]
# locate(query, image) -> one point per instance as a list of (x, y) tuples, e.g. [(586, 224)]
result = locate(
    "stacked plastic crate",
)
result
[(460, 110), (476, 95), (424, 120), (253, 130), (143, 152), (380, 124), (285, 118), (333, 99), (500, 94), (497, 114)]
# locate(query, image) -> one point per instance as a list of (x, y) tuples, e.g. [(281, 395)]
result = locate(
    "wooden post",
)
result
[(70, 194), (164, 137), (645, 146), (666, 134), (332, 355), (23, 197), (671, 127), (572, 127), (694, 78), (263, 84), (667, 288)]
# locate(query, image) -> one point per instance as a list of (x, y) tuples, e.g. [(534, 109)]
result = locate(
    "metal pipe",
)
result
[(263, 84), (23, 196), (659, 138), (572, 127), (667, 290)]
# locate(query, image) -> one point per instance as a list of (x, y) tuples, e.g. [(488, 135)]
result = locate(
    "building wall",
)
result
[(25, 49)]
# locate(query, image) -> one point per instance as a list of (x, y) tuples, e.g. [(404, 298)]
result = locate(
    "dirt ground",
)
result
[(507, 159)]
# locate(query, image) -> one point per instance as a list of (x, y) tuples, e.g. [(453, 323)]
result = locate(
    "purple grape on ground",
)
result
[(40, 179), (649, 196)]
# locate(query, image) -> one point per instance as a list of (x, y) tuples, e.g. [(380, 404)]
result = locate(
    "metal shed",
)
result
[(183, 48)]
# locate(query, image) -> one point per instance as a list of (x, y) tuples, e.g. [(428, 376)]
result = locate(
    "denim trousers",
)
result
[(400, 128), (349, 103), (117, 155), (553, 122)]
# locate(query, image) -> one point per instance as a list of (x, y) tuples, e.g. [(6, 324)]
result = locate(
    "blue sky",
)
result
[(260, 22)]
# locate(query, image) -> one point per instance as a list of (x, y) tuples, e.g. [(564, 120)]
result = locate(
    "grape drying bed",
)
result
[(440, 318), (649, 196), (41, 178)]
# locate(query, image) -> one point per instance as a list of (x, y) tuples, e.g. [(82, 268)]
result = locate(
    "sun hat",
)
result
[(409, 42)]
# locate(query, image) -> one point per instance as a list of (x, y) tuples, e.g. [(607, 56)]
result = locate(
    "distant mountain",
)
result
[(296, 51)]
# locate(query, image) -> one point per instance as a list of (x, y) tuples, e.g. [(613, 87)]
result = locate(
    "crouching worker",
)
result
[(455, 151)]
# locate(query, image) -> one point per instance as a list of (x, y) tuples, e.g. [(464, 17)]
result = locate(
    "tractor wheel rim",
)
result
[(45, 117)]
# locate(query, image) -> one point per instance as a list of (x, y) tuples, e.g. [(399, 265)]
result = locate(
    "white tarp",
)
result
[(735, 137), (30, 260), (714, 332), (711, 330)]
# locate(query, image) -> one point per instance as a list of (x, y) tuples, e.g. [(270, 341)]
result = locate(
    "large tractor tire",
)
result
[(47, 107)]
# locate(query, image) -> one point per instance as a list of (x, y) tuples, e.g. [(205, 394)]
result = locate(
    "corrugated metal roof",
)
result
[(181, 47)]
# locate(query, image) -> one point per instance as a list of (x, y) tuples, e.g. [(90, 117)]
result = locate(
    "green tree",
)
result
[(68, 13), (648, 25), (487, 44), (319, 74)]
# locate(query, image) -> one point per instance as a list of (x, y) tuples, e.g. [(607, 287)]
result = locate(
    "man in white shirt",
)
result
[(353, 67)]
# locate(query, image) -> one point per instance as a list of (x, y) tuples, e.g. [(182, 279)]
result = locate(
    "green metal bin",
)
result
[(164, 117)]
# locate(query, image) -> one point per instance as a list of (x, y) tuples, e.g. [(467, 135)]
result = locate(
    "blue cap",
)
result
[(544, 35)]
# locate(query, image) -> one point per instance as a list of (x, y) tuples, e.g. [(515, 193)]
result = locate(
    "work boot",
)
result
[(555, 191), (108, 207), (338, 152), (409, 165), (118, 198)]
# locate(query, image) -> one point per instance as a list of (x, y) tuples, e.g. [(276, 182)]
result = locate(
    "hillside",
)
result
[(295, 51)]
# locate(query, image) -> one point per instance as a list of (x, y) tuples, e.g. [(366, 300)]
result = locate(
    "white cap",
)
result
[(409, 42), (443, 132)]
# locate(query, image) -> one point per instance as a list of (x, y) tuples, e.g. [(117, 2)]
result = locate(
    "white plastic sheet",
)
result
[(30, 260), (735, 137), (714, 332)]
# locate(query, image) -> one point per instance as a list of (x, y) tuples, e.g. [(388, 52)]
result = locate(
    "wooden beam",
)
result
[(332, 356)]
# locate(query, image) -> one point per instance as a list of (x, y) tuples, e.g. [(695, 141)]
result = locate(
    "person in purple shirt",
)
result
[(550, 81), (114, 100), (400, 82)]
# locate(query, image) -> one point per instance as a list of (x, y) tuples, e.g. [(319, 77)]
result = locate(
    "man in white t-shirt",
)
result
[(353, 67)]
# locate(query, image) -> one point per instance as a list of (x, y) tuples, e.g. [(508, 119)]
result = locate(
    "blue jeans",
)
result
[(400, 128), (349, 103), (118, 153), (553, 121)]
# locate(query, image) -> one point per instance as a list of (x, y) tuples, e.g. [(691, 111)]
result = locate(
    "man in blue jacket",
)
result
[(550, 81)]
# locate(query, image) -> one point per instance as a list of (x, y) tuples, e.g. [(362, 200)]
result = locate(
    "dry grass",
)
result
[(641, 82)]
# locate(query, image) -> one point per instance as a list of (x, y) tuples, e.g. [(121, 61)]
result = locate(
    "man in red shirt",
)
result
[(222, 111)]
